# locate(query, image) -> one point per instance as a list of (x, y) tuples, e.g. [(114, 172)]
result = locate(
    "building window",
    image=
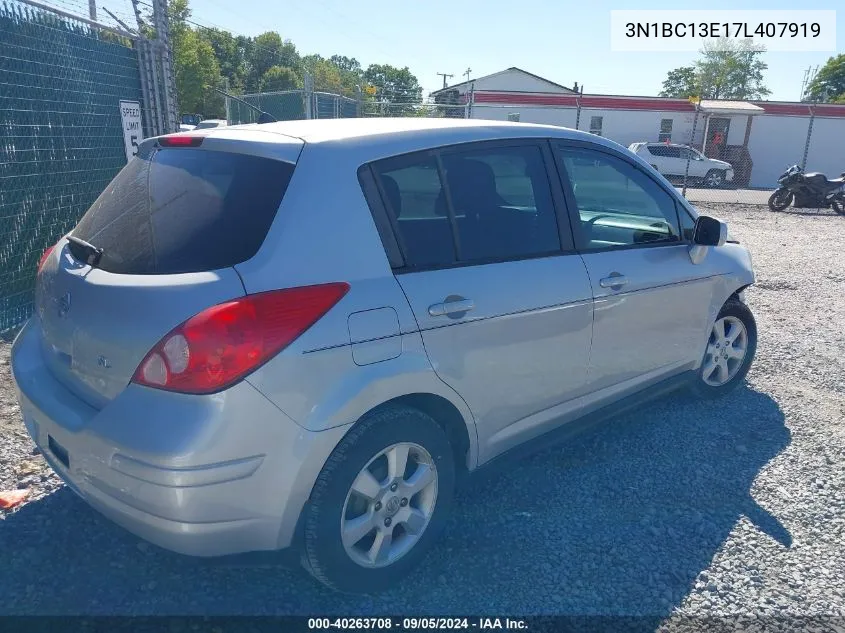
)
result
[(665, 135), (595, 125)]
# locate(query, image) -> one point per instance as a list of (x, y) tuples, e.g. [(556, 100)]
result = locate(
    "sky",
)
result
[(560, 40)]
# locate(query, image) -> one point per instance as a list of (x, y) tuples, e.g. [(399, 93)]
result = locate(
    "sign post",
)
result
[(133, 133), (696, 101)]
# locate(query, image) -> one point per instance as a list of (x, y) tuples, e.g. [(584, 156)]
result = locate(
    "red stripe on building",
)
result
[(788, 109), (588, 101), (802, 109), (524, 99)]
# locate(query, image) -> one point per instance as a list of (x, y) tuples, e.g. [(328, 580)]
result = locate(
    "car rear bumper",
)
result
[(200, 475)]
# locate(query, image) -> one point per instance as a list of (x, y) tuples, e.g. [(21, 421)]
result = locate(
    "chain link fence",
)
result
[(383, 108), (62, 135), (290, 105), (77, 98)]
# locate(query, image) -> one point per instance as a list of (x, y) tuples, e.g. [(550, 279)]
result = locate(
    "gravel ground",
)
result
[(733, 507)]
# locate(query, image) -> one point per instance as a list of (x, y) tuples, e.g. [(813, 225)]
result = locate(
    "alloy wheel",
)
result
[(389, 505), (726, 351)]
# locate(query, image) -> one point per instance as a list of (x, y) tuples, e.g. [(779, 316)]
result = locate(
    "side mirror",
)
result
[(709, 232)]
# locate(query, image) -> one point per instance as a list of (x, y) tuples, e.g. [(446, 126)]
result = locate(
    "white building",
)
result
[(760, 138)]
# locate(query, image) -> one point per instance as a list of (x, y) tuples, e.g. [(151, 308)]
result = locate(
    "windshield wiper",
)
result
[(91, 254)]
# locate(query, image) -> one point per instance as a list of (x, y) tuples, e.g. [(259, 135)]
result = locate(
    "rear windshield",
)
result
[(185, 210)]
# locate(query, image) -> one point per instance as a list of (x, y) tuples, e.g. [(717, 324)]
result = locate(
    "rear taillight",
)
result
[(44, 256), (222, 344)]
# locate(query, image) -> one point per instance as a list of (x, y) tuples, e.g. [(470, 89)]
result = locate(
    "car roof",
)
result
[(429, 131)]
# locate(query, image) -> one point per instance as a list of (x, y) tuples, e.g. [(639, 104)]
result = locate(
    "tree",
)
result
[(398, 88), (347, 64), (681, 83), (278, 78), (729, 70), (197, 72), (229, 54), (829, 82), (268, 50)]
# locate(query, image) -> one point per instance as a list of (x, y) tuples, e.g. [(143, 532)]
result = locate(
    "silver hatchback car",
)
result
[(304, 334)]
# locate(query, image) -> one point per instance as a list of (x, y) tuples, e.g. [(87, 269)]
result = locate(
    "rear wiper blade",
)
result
[(92, 254)]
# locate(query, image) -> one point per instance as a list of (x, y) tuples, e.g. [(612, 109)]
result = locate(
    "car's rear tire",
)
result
[(714, 178), (368, 523), (729, 353)]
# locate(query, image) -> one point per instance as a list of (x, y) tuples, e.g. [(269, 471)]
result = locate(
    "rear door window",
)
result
[(414, 196), (185, 210), (495, 205)]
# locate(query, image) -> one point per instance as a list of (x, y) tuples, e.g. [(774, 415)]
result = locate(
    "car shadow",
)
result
[(619, 520)]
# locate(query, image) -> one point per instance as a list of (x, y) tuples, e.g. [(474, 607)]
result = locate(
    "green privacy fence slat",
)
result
[(290, 106), (61, 136), (283, 106)]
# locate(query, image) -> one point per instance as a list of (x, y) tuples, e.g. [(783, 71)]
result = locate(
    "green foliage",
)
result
[(681, 83), (233, 65), (268, 50), (278, 78), (829, 82), (205, 58), (398, 88), (197, 72), (731, 71)]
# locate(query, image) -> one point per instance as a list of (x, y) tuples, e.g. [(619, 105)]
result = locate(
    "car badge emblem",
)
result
[(64, 305)]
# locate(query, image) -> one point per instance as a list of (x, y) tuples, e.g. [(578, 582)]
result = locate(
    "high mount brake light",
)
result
[(180, 140), (224, 343)]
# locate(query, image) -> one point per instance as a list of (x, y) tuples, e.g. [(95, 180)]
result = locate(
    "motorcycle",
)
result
[(808, 191)]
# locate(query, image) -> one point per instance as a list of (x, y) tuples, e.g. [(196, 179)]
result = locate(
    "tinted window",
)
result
[(618, 205), (502, 202), (498, 198), (412, 191), (666, 151), (185, 210)]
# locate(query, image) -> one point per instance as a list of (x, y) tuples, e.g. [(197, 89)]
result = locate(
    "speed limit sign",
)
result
[(133, 134)]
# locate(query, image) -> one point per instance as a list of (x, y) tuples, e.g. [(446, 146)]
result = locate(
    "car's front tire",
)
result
[(729, 353), (380, 501)]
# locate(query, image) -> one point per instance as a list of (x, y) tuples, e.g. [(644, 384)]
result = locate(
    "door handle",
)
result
[(451, 307), (615, 281)]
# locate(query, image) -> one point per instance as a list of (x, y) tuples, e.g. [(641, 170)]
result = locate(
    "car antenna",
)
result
[(263, 117)]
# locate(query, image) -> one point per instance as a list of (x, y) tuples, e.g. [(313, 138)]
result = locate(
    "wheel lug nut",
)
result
[(378, 506), (404, 502), (387, 522), (393, 487)]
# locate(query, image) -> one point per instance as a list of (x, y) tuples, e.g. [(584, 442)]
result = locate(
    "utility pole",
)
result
[(92, 9), (809, 75), (445, 75), (468, 71)]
